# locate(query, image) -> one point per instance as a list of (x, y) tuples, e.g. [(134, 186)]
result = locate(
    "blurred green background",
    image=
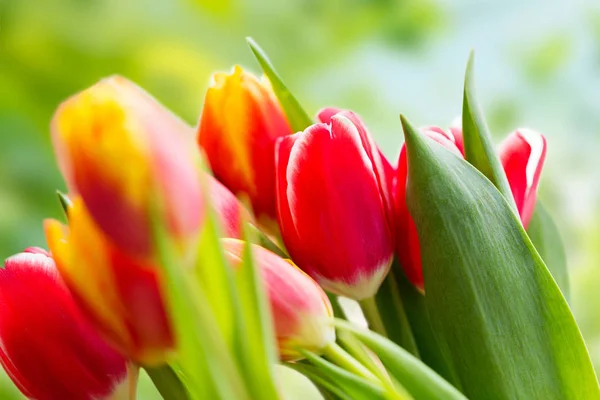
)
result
[(538, 65)]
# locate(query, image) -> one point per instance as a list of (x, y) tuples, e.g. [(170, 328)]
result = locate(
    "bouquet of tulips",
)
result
[(269, 255)]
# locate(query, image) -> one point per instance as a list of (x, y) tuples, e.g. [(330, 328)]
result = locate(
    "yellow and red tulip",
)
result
[(119, 293), (302, 314), (106, 254), (240, 123), (522, 155), (49, 350), (333, 207), (115, 123)]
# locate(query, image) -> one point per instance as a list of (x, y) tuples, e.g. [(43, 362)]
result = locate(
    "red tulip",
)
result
[(302, 314), (240, 122), (332, 206), (48, 349), (522, 155)]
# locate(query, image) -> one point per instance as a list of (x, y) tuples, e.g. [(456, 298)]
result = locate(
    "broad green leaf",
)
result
[(479, 148), (544, 234), (297, 117), (416, 311), (167, 382), (393, 314), (416, 377), (500, 319), (295, 386), (257, 343), (357, 387)]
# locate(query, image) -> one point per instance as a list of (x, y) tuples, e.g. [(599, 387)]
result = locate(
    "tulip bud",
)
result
[(302, 313), (332, 208), (240, 122), (522, 156), (49, 350), (118, 149)]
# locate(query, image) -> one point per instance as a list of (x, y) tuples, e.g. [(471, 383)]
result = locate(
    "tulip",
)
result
[(119, 293), (240, 122), (332, 206), (302, 313), (522, 155), (118, 149), (49, 350)]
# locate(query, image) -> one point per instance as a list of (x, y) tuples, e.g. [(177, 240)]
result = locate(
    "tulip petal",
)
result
[(114, 121), (228, 209), (286, 223), (522, 155), (384, 172), (240, 123), (118, 293), (47, 347), (407, 240)]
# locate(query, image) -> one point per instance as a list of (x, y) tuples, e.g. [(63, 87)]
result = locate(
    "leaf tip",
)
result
[(411, 135)]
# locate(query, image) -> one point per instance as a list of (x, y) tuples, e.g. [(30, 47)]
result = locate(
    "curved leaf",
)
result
[(498, 314), (357, 387), (417, 378), (479, 148), (297, 117)]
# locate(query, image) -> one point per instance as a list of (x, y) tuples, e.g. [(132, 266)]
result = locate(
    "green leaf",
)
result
[(479, 148), (416, 377), (64, 201), (499, 317), (297, 117), (202, 351), (544, 234), (360, 352), (357, 387), (167, 382), (257, 343), (393, 314), (216, 277)]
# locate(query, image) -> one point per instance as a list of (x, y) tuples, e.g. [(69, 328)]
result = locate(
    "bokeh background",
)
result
[(537, 65)]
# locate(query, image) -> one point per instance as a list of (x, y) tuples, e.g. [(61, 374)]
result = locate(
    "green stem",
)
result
[(340, 357), (371, 312), (167, 382), (392, 310)]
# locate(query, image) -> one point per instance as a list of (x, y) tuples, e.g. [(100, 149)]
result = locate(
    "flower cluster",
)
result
[(75, 320)]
